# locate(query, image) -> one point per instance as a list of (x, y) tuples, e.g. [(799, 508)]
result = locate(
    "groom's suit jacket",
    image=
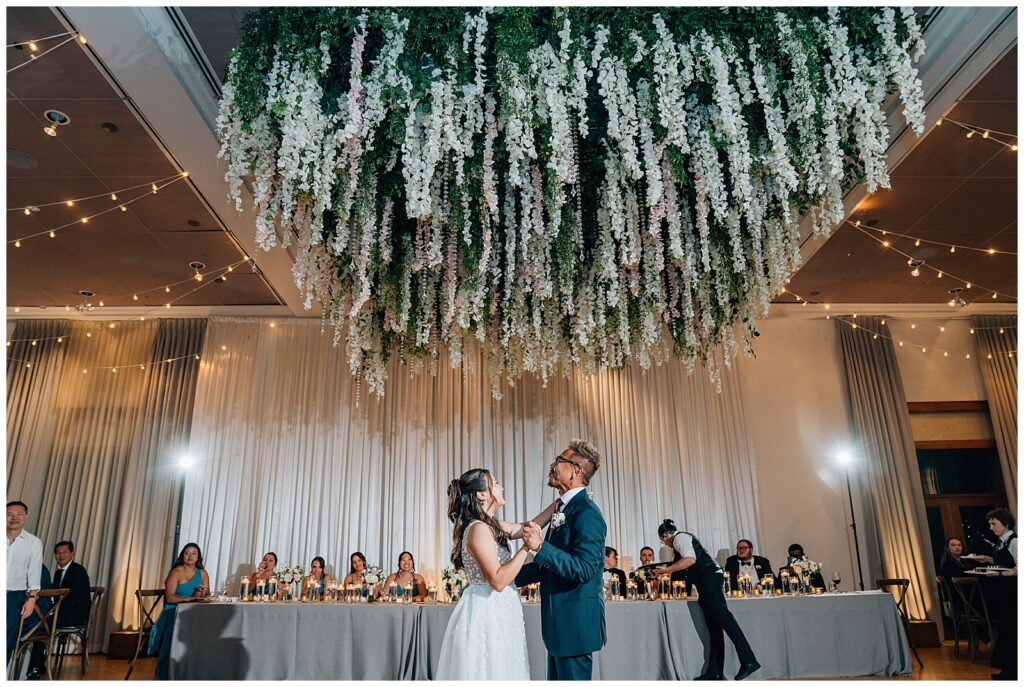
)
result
[(569, 566)]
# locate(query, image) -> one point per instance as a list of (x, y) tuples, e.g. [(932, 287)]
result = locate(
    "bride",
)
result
[(486, 638)]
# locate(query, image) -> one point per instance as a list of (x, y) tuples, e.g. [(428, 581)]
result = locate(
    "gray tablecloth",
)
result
[(822, 636)]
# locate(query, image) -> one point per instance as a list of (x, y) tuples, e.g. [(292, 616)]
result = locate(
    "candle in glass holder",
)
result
[(431, 593), (245, 589), (393, 592), (677, 589), (630, 590), (408, 592)]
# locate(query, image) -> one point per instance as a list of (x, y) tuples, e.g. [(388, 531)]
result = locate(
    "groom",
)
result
[(568, 563)]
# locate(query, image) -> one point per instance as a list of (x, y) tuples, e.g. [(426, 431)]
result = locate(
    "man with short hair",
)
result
[(796, 553), (74, 610), (24, 569), (568, 564), (611, 567), (647, 558), (745, 562), (1004, 652)]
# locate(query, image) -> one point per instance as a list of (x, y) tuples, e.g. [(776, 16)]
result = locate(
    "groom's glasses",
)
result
[(560, 459)]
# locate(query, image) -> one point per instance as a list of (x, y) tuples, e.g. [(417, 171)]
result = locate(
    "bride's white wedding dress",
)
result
[(486, 637)]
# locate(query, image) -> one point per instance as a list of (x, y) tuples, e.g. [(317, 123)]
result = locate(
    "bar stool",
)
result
[(902, 585), (41, 631), (147, 609)]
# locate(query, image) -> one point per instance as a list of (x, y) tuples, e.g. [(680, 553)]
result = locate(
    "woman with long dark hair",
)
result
[(186, 583), (320, 578), (486, 638), (706, 576), (357, 566), (406, 574)]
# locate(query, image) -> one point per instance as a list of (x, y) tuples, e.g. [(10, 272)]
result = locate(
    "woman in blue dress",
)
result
[(187, 582), (407, 574), (320, 578)]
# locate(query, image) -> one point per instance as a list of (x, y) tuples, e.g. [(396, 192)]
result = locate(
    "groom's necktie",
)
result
[(558, 509)]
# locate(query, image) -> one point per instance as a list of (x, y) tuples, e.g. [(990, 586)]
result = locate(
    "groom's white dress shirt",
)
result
[(567, 496)]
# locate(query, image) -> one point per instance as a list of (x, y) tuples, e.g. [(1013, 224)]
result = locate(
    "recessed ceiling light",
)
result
[(193, 223), (109, 127), (57, 117), (196, 265), (872, 223), (815, 293), (86, 293)]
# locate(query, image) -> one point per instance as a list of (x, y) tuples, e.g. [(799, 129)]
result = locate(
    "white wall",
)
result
[(796, 406), (795, 403)]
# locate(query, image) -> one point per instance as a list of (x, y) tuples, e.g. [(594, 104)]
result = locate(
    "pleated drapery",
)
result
[(292, 456), (87, 474), (997, 345), (897, 542)]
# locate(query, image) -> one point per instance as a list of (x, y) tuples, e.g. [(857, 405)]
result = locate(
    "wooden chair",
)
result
[(64, 634), (902, 585), (43, 630), (975, 610), (147, 619), (953, 609)]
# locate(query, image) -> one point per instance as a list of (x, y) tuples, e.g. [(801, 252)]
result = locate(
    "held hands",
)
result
[(531, 536)]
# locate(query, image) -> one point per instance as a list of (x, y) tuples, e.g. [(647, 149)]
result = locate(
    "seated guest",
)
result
[(796, 553), (611, 565), (320, 578), (264, 571), (647, 558), (74, 610), (745, 562), (407, 574), (187, 582), (952, 563), (24, 568), (357, 566)]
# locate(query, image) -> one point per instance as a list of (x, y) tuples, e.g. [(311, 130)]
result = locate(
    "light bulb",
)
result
[(883, 323), (27, 211), (952, 249), (917, 242), (970, 134), (885, 243), (154, 188), (915, 272), (913, 326), (901, 343), (135, 297), (17, 244), (968, 284), (938, 123), (991, 251), (32, 46), (70, 203), (53, 234), (124, 209), (972, 330), (50, 130), (168, 306), (985, 135), (113, 196), (942, 329), (968, 356), (167, 289), (1013, 147), (223, 348), (940, 275), (81, 39), (1000, 330), (994, 294), (199, 277), (85, 220), (945, 354)]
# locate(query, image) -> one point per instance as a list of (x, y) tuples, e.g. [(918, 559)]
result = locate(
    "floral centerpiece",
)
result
[(373, 576), (550, 188), (805, 569), (454, 582), (291, 577)]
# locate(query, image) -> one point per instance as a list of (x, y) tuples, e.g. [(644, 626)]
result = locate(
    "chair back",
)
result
[(902, 584), (148, 600), (41, 631), (973, 601), (945, 597)]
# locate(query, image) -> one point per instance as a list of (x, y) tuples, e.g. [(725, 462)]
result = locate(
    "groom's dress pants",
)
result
[(719, 620), (571, 667)]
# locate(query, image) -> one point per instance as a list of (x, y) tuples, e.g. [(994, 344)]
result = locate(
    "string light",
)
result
[(986, 134), (167, 181), (33, 46), (923, 264), (919, 240)]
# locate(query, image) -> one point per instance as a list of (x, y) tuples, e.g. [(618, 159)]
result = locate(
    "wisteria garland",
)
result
[(586, 194)]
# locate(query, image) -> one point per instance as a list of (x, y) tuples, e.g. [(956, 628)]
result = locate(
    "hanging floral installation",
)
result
[(561, 187)]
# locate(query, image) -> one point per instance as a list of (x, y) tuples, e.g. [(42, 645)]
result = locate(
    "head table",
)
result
[(829, 635)]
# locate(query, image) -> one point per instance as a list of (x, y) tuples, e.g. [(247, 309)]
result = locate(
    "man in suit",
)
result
[(74, 610), (795, 554), (568, 563), (746, 562), (611, 566)]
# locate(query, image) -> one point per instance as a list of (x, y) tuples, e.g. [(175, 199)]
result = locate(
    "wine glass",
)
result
[(836, 579)]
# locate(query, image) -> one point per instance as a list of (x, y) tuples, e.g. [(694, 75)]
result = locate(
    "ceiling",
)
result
[(118, 254), (947, 188)]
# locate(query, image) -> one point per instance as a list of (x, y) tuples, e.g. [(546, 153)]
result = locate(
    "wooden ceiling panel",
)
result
[(25, 134), (214, 248), (242, 289)]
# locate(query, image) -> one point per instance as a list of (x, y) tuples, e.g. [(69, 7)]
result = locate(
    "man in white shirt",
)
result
[(24, 568)]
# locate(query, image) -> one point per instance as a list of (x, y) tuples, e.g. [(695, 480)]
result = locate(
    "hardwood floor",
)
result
[(939, 664)]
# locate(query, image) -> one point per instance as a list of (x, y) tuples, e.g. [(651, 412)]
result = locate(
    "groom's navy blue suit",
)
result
[(569, 566)]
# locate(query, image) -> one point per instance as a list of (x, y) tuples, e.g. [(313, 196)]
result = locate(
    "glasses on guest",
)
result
[(560, 459)]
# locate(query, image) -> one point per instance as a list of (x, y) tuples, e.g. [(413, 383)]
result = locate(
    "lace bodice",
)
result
[(473, 574)]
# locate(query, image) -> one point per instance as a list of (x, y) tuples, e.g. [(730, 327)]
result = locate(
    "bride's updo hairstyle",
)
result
[(464, 508)]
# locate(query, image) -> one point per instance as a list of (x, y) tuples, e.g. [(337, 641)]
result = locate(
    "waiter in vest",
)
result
[(1004, 652), (706, 576)]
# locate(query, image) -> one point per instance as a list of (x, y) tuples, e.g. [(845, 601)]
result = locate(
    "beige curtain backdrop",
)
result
[(33, 373), (895, 533), (86, 475), (1000, 375), (292, 456)]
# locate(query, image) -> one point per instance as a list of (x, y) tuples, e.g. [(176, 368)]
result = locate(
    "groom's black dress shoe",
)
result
[(748, 669)]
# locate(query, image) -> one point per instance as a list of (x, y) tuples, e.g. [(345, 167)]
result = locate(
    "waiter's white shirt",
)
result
[(1012, 546)]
